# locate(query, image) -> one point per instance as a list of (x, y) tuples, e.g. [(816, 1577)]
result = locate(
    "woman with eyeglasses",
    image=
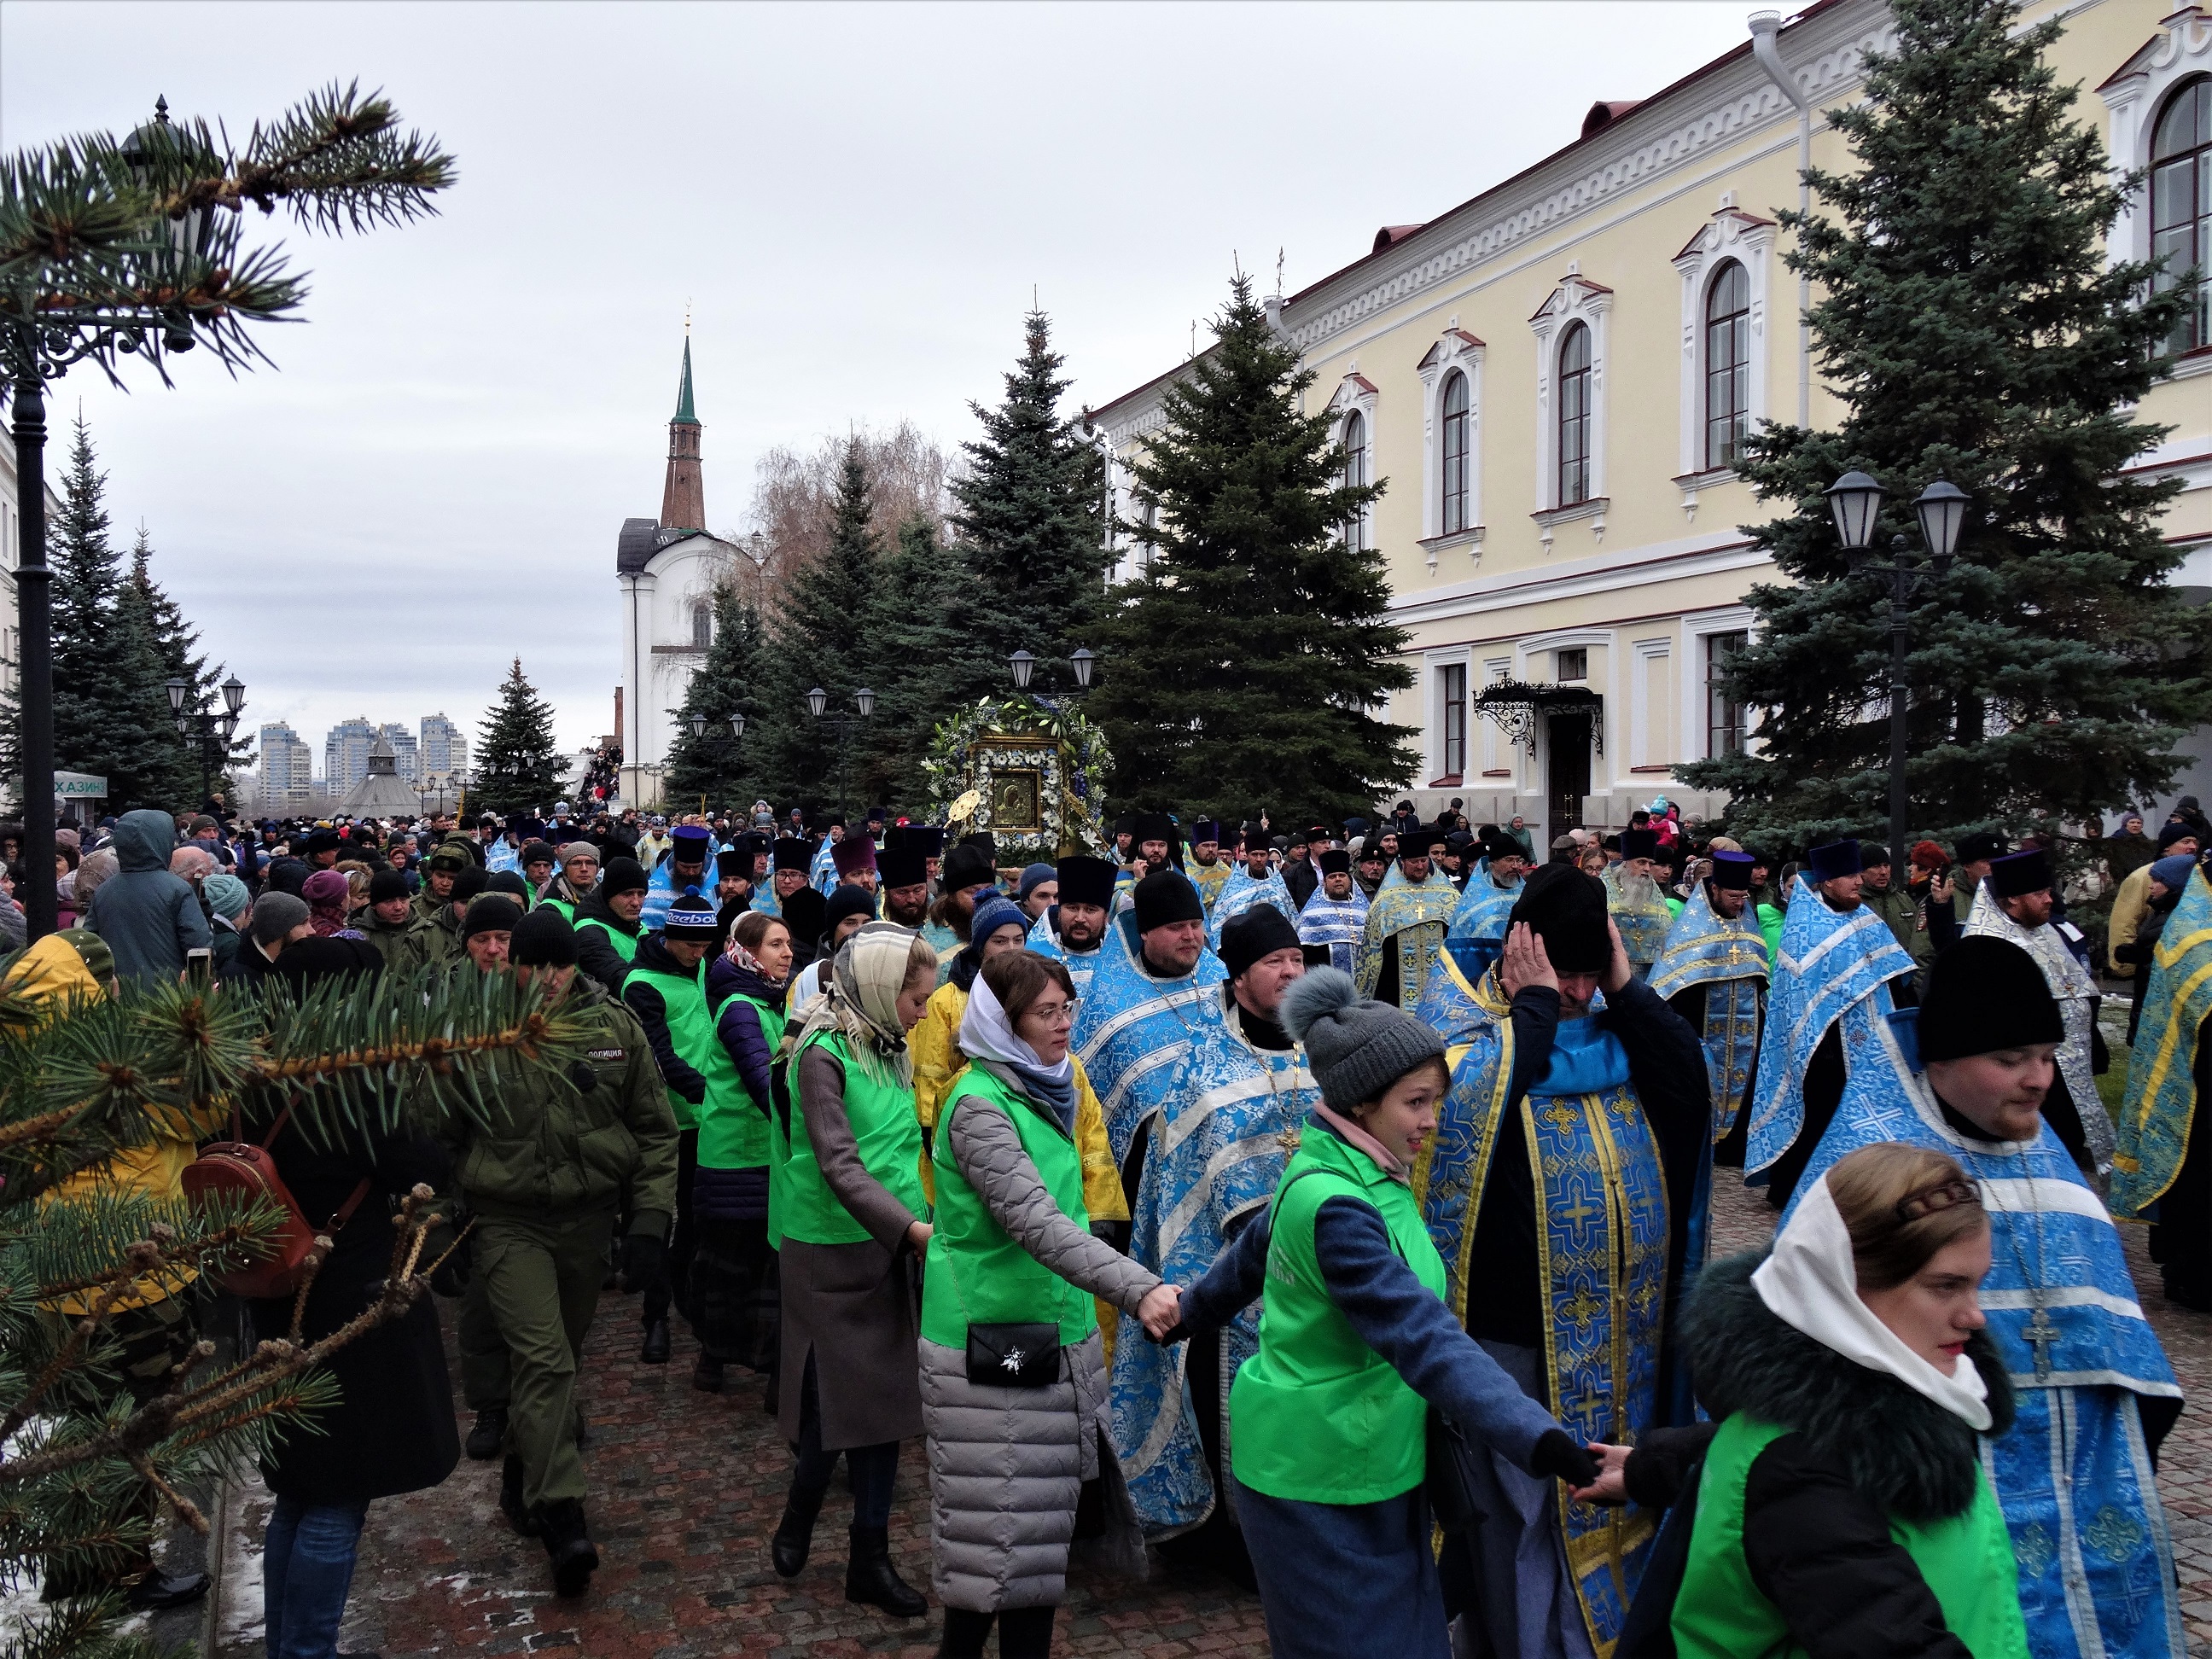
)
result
[(1014, 1366)]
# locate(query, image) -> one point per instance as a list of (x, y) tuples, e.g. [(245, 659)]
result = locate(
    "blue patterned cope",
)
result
[(1218, 1150), (1448, 1000), (1337, 923), (1133, 1032), (2161, 1094), (1240, 893), (1602, 1252), (1081, 965), (1643, 921), (1480, 920), (1208, 879), (1410, 918), (1834, 965), (2096, 1565), (1728, 956), (822, 874)]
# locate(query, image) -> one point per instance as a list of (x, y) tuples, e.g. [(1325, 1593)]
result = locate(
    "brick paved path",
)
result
[(687, 1487)]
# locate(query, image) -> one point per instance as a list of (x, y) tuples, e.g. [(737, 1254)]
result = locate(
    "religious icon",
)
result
[(1015, 798)]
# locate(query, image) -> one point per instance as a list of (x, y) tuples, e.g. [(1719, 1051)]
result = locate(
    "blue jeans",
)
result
[(307, 1568)]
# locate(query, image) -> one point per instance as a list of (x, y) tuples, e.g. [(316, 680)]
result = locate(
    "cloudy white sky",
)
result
[(855, 201)]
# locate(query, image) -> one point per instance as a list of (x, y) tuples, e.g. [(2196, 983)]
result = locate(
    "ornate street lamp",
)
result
[(1942, 509), (1084, 663), (698, 723), (213, 732), (866, 700), (1025, 665), (1855, 500), (817, 705), (816, 700), (737, 725)]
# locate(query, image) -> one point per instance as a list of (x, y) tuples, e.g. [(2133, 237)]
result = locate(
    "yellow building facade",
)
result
[(1551, 377)]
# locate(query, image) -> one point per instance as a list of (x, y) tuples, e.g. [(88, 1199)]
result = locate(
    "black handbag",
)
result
[(1022, 1356), (1451, 1480)]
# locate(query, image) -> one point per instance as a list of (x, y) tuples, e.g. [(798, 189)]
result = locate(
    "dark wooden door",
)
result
[(1569, 768)]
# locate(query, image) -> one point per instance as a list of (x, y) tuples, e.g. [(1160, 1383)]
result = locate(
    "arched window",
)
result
[(702, 625), (1728, 364), (2181, 205), (1575, 415), (1355, 477), (1452, 516)]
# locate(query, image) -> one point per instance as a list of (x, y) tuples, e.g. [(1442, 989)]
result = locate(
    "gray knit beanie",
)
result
[(1355, 1048), (276, 915)]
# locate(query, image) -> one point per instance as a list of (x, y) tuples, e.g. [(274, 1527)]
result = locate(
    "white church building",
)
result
[(667, 568)]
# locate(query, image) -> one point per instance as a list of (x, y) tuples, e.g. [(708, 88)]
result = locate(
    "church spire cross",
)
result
[(684, 415)]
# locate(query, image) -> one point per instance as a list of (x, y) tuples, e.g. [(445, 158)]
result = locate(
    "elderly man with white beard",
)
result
[(1633, 898)]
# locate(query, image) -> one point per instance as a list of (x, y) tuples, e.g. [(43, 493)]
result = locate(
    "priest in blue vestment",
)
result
[(1335, 914), (1712, 970), (1219, 1146), (1637, 901), (1204, 863), (1153, 846), (1559, 1186), (1148, 998), (1073, 931), (2163, 1170), (1492, 886), (1967, 1072), (1830, 994), (1255, 881), (1405, 925)]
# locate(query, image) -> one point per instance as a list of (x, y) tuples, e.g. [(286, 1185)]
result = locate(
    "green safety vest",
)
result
[(625, 943), (691, 1034), (976, 1270), (567, 910), (1317, 1415), (888, 1137), (733, 1131), (1967, 1559)]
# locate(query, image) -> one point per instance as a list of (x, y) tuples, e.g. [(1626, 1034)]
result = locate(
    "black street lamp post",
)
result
[(213, 731), (817, 705), (1081, 663), (1854, 499)]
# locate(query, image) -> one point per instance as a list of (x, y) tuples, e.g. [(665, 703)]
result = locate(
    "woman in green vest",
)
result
[(1013, 1368), (1329, 1420), (1842, 1509), (850, 1212), (733, 1269)]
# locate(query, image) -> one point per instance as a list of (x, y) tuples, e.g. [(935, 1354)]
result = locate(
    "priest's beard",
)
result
[(1641, 892)]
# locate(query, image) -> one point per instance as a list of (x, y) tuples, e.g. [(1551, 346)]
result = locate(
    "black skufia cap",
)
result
[(1985, 993), (1566, 909)]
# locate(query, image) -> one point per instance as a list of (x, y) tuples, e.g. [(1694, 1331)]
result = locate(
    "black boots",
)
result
[(567, 1545), (655, 1349), (707, 1374), (871, 1578), (794, 1533), (519, 1514), (489, 1434)]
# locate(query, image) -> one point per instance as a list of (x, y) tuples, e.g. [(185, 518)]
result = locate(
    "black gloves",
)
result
[(1558, 1456), (645, 1263)]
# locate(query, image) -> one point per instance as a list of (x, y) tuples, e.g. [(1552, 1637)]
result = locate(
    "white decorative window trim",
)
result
[(1432, 665), (1576, 300), (1697, 627), (2134, 96), (1648, 673), (1356, 395), (1454, 349), (1730, 236)]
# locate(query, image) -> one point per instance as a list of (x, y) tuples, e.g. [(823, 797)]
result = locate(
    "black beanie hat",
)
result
[(624, 876), (387, 884), (967, 866), (539, 851), (1565, 908), (1260, 931), (1985, 993), (847, 901), (468, 884), (542, 938), (1166, 896), (1086, 880), (509, 882), (804, 912), (493, 913)]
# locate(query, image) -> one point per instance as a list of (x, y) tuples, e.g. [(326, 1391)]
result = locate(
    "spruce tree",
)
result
[(1242, 662), (1030, 524), (820, 638), (919, 621), (719, 765), (519, 767), (1974, 331)]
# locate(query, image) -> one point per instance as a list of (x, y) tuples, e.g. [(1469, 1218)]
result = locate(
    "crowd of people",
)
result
[(1327, 1207)]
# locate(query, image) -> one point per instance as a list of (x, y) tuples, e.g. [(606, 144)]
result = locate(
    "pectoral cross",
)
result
[(2041, 1334)]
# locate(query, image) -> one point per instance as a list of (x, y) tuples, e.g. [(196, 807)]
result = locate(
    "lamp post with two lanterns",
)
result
[(212, 731), (817, 705), (1081, 663), (1855, 500)]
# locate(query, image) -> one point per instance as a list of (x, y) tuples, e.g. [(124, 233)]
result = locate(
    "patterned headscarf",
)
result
[(866, 976)]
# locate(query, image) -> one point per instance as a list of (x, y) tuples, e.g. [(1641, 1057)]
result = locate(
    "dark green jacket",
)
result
[(435, 939), (390, 942), (555, 1149), (1899, 909)]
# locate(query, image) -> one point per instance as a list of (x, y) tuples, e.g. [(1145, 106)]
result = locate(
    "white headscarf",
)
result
[(1809, 1282), (988, 1038)]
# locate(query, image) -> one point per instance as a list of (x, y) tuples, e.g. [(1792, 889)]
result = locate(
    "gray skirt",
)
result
[(1006, 1467), (852, 1306)]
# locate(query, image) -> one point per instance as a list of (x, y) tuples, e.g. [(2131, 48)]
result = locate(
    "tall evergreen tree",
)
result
[(519, 766), (1030, 525), (820, 638), (1243, 662), (918, 620), (719, 765), (175, 644), (1974, 331)]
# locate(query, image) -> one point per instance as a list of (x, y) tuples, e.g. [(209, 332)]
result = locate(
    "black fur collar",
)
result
[(1905, 1452)]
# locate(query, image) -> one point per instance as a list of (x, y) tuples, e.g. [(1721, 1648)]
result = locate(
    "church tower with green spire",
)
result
[(683, 496)]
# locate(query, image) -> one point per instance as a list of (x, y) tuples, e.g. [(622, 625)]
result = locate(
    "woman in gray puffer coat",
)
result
[(1012, 1270)]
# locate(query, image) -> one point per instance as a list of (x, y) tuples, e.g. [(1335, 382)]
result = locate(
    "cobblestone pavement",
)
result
[(687, 1486)]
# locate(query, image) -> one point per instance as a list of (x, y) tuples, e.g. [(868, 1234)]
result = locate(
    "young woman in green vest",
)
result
[(1327, 1421), (1842, 1509), (1013, 1247), (733, 1269), (851, 1213)]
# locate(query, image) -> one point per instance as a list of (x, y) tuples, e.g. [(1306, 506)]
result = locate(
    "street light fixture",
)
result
[(177, 689), (698, 723), (816, 700), (817, 705), (737, 725), (1942, 512), (213, 732), (866, 700), (1082, 663), (1855, 500), (1023, 665)]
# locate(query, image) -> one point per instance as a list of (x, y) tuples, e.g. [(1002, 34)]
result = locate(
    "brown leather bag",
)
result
[(237, 1169)]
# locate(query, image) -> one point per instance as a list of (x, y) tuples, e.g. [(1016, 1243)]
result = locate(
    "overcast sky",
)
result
[(855, 200)]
